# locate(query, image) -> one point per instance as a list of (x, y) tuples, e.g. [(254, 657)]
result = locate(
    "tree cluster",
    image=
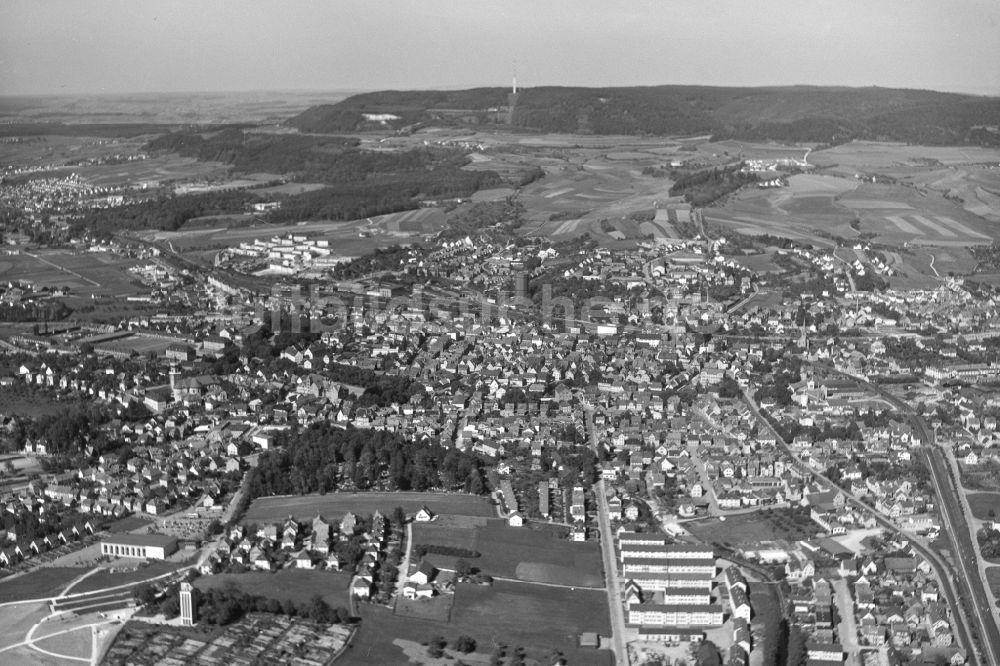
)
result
[(701, 188), (311, 461)]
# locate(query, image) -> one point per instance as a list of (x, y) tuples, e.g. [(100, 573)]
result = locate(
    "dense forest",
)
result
[(798, 113), (703, 187), (383, 194), (167, 213), (325, 458), (360, 183)]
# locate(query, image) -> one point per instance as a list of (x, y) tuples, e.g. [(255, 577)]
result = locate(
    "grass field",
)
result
[(437, 608), (105, 578), (332, 506), (295, 584), (754, 527), (84, 273), (993, 579), (858, 154), (502, 614), (518, 553), (982, 503), (73, 644), (42, 582)]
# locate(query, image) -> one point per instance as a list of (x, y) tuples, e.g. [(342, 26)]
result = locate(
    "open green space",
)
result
[(984, 506), (766, 525), (436, 608), (993, 579), (74, 644), (40, 583), (105, 578), (332, 506), (519, 553), (298, 585), (502, 614)]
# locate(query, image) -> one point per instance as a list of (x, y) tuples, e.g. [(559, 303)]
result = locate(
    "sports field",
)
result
[(334, 505)]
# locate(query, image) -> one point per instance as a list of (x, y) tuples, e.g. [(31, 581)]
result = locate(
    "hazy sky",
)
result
[(71, 46)]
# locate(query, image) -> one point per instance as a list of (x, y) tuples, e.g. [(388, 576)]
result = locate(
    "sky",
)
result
[(123, 46)]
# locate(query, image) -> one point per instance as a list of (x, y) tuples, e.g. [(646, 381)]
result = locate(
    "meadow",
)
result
[(779, 524), (90, 273), (333, 506), (106, 578), (37, 584), (518, 553), (298, 585), (860, 154), (503, 614), (981, 504)]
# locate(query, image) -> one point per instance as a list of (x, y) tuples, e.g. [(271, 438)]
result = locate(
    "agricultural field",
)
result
[(588, 189), (750, 151), (876, 155), (85, 274), (332, 506), (155, 170), (517, 553), (779, 524), (759, 263), (981, 504), (290, 189), (502, 614), (298, 585), (347, 239)]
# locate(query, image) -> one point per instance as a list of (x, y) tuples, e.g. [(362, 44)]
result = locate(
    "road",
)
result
[(949, 455), (966, 553), (404, 568), (847, 630), (941, 569), (610, 562)]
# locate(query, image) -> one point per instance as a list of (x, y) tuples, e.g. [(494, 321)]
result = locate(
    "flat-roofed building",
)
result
[(655, 582), (680, 615), (143, 546), (635, 565)]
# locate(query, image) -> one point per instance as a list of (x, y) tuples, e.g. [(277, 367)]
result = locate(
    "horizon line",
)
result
[(976, 92)]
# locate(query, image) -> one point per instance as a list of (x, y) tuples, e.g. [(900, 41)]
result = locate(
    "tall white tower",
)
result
[(188, 608), (514, 88)]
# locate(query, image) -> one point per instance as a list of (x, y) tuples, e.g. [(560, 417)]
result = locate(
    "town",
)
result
[(500, 376)]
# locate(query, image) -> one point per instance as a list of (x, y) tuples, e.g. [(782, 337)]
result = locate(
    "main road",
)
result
[(943, 571), (610, 562)]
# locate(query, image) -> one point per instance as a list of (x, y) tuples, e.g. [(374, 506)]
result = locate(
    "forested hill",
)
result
[(799, 113)]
